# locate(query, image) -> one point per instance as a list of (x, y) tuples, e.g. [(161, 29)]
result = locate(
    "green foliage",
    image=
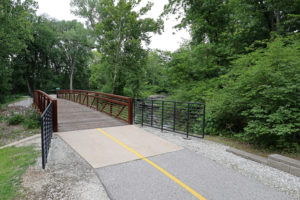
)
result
[(15, 119), (260, 102), (14, 30), (13, 163), (120, 31), (29, 120), (32, 120), (40, 53)]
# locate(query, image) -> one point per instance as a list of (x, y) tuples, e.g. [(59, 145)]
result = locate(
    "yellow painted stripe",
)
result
[(193, 192)]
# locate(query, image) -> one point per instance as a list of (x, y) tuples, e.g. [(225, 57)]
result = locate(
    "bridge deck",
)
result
[(73, 116)]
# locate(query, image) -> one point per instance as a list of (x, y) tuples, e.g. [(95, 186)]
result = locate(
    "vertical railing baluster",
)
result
[(162, 116), (203, 121), (188, 121), (142, 113), (134, 109), (87, 99), (174, 115), (152, 112)]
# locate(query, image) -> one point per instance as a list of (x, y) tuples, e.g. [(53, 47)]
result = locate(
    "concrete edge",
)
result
[(21, 141), (266, 161), (284, 159), (248, 156)]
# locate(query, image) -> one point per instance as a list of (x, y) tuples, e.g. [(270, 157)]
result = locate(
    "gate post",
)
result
[(55, 126), (130, 118)]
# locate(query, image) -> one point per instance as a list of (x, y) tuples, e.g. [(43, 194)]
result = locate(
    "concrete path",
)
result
[(100, 151), (74, 116), (133, 164)]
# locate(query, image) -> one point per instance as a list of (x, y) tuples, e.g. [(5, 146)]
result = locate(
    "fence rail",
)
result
[(46, 132), (41, 101), (181, 117), (117, 106)]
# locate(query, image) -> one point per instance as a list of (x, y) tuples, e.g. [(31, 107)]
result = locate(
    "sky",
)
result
[(169, 40)]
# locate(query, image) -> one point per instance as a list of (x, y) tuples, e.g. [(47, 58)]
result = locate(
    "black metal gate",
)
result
[(181, 117), (46, 132)]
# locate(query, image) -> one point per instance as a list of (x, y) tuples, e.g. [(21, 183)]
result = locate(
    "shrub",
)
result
[(32, 120), (15, 119), (260, 103)]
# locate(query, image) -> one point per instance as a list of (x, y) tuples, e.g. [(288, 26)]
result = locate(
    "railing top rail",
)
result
[(45, 94), (44, 113), (101, 93), (170, 101)]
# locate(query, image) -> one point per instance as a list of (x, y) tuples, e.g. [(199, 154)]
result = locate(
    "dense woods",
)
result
[(243, 59)]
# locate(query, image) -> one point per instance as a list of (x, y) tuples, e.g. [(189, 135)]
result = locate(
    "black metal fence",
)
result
[(46, 132), (181, 117)]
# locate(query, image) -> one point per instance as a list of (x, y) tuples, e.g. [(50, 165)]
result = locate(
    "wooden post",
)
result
[(110, 108), (130, 118), (97, 102), (35, 98), (55, 125), (87, 99)]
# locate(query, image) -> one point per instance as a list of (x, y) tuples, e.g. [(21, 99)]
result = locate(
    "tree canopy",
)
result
[(120, 33)]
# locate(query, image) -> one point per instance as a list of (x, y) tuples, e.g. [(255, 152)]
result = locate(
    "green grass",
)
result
[(13, 163), (250, 148)]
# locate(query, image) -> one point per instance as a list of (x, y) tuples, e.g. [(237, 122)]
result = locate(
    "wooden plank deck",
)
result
[(74, 116)]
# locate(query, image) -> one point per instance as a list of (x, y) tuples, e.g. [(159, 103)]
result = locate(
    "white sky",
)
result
[(169, 40)]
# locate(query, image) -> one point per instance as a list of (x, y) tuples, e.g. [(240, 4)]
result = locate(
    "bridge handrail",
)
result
[(41, 100), (115, 102)]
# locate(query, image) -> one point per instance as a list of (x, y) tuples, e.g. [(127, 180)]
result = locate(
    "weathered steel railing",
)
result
[(41, 100), (46, 132), (182, 117), (117, 106)]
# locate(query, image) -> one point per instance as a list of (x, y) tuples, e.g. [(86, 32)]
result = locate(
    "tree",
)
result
[(76, 44), (236, 24), (15, 29), (58, 54), (120, 32), (260, 102)]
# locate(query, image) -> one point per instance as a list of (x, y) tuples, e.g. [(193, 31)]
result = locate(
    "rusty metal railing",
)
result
[(182, 117), (116, 106), (41, 100)]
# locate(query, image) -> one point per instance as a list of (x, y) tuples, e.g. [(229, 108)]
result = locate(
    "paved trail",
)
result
[(169, 173)]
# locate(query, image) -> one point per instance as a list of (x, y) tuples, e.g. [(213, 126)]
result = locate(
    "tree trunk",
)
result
[(71, 75), (114, 79), (277, 16), (28, 87)]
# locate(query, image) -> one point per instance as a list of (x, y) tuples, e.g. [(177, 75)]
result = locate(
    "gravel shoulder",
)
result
[(271, 177), (67, 176), (27, 102)]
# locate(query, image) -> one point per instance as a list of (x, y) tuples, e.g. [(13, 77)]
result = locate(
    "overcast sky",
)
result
[(170, 39)]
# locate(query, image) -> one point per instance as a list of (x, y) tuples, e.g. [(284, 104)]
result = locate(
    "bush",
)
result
[(32, 120), (260, 103), (15, 119)]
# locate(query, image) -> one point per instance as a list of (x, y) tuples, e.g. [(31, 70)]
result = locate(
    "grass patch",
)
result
[(13, 163), (250, 148)]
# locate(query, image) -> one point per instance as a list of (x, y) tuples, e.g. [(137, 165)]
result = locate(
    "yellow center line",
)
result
[(193, 192)]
